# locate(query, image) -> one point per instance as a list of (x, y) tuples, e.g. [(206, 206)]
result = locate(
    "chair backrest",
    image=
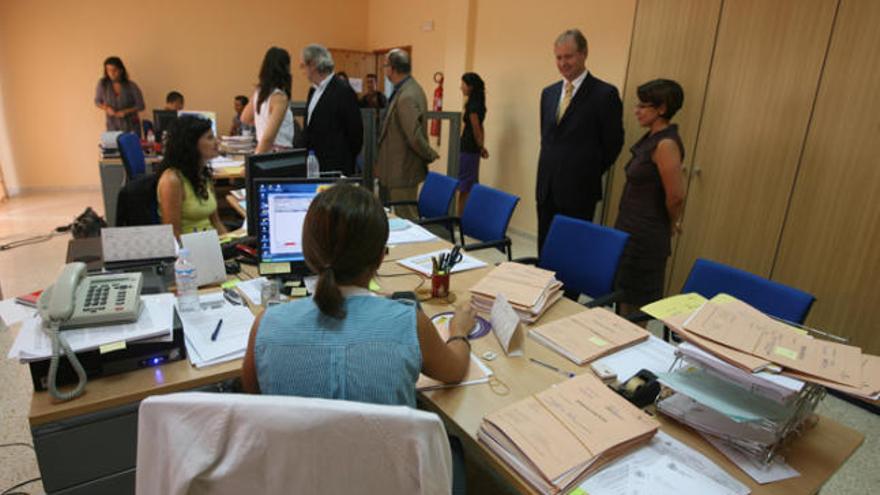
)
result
[(236, 443), (132, 154), (487, 213), (436, 195), (709, 278), (136, 203), (583, 255)]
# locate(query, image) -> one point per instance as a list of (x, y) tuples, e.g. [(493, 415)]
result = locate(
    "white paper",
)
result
[(233, 336), (422, 263), (138, 243), (11, 312), (225, 162), (506, 326), (156, 319), (475, 361), (252, 289), (205, 254), (663, 466), (410, 234), (762, 473), (654, 355)]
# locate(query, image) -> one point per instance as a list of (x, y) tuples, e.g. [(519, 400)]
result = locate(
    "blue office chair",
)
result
[(485, 217), (132, 154), (434, 200), (709, 278), (584, 256)]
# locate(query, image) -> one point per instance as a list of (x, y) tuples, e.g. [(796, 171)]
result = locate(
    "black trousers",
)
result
[(547, 210)]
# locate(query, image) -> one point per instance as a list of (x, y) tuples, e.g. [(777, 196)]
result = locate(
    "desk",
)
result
[(112, 174), (113, 401)]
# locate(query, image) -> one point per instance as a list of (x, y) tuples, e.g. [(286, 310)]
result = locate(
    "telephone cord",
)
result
[(59, 343)]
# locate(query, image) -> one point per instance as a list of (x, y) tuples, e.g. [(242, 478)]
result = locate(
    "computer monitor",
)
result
[(282, 206), (289, 164), (162, 119)]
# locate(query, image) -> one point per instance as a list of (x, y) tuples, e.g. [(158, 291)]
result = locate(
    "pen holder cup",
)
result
[(439, 284)]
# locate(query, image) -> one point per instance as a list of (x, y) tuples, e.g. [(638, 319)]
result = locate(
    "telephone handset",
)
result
[(77, 300)]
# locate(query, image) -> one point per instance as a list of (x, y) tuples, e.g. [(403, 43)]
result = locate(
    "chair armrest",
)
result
[(436, 220), (604, 300), (638, 317), (401, 203), (528, 260), (500, 243)]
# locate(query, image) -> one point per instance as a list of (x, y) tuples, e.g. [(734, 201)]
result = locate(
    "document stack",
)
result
[(589, 335), (752, 381), (237, 145), (556, 438), (108, 146), (218, 332), (529, 290)]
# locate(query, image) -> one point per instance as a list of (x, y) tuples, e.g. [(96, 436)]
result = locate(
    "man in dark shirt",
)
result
[(372, 97)]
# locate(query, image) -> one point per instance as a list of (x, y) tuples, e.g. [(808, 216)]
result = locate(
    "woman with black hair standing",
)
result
[(472, 136), (186, 190), (119, 97), (269, 109)]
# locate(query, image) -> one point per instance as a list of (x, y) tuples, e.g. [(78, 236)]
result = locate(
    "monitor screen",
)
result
[(282, 207), (284, 164)]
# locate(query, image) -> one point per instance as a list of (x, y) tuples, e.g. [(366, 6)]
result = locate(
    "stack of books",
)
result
[(237, 145), (528, 289), (557, 438), (589, 335)]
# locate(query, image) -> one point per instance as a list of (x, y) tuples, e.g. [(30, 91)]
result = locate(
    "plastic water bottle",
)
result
[(313, 169), (186, 280)]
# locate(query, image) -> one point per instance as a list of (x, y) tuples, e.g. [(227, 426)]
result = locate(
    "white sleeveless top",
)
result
[(284, 137)]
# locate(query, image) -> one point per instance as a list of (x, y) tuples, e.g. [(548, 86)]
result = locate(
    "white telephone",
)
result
[(75, 301)]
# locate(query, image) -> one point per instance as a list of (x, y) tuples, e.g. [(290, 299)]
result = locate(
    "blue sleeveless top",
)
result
[(371, 355)]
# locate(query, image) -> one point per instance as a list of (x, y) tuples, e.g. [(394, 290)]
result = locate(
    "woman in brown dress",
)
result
[(653, 197)]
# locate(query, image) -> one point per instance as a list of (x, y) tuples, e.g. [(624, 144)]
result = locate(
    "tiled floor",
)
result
[(20, 273)]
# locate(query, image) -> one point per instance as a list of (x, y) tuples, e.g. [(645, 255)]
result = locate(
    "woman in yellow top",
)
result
[(186, 191)]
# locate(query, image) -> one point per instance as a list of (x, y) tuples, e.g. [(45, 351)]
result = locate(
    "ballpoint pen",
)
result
[(216, 330), (554, 368)]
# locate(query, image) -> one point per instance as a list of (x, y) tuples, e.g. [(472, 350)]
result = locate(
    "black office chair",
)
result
[(137, 203)]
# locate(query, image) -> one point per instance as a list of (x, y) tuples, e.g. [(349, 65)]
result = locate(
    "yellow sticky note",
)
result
[(298, 292), (675, 305), (230, 283), (598, 341), (115, 346), (374, 286), (723, 298), (785, 352), (274, 268)]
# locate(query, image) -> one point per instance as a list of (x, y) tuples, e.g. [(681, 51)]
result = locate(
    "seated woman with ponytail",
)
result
[(347, 342)]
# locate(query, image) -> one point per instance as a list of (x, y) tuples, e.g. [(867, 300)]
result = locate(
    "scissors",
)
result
[(453, 258)]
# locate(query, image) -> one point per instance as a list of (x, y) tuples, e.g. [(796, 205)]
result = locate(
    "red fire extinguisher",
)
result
[(438, 104)]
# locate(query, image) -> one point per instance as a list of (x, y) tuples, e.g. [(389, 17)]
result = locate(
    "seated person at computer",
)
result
[(174, 101), (186, 191), (347, 342), (239, 128)]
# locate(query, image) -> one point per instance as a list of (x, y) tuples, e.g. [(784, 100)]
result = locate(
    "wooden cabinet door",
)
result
[(831, 235), (762, 85), (672, 39)]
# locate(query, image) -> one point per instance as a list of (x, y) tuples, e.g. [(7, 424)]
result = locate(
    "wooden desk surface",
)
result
[(817, 454)]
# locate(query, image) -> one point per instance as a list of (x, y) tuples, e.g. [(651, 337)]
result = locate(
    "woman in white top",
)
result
[(269, 109)]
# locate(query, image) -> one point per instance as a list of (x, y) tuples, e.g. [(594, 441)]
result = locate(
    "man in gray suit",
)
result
[(404, 152)]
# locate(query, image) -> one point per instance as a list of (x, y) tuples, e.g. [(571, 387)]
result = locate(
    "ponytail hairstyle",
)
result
[(344, 236)]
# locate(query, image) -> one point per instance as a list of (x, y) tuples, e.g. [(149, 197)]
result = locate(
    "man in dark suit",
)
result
[(333, 127), (581, 136)]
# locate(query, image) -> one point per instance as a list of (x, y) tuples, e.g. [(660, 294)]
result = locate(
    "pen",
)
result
[(216, 330), (554, 368)]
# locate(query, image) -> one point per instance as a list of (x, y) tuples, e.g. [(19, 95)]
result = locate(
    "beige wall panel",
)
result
[(761, 90), (832, 232)]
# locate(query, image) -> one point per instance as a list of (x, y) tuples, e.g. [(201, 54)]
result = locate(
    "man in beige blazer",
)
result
[(404, 152)]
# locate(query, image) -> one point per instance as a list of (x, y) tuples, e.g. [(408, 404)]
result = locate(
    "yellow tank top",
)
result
[(195, 212)]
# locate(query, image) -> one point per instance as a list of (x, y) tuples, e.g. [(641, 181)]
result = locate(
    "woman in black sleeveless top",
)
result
[(653, 196)]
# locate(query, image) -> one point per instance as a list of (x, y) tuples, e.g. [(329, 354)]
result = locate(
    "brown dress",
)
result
[(644, 217)]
